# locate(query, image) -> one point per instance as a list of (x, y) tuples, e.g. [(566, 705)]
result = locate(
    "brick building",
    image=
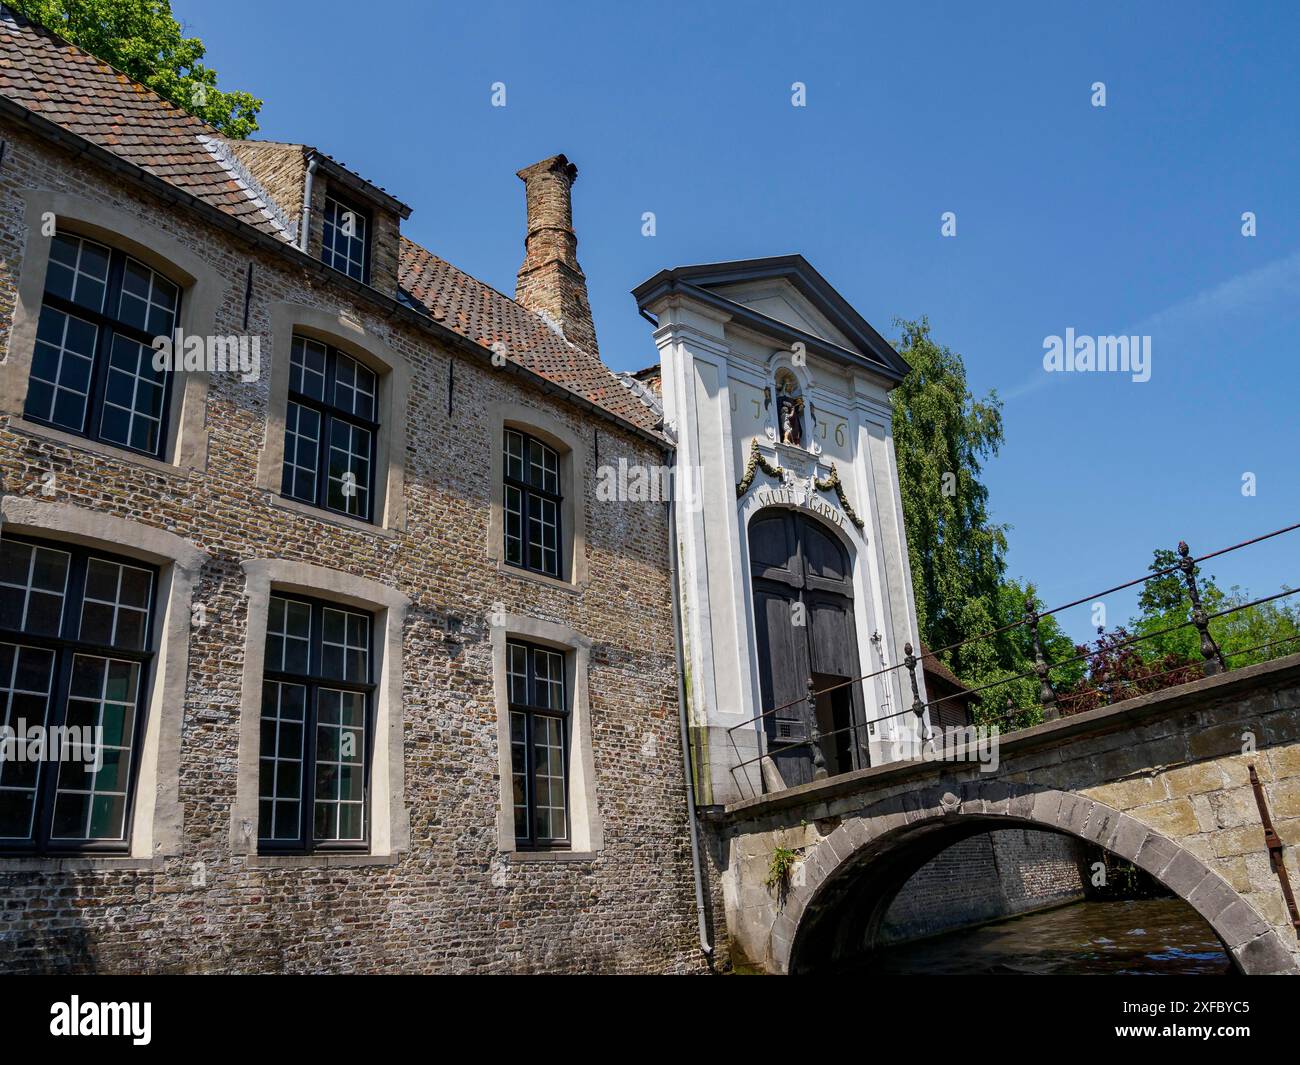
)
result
[(383, 685)]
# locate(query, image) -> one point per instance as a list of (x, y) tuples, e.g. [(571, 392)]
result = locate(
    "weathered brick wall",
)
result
[(453, 902), (984, 878), (278, 168)]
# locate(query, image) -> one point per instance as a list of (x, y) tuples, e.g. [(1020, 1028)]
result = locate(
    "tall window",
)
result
[(330, 430), (92, 367), (345, 243), (532, 504), (75, 628), (539, 719), (317, 704)]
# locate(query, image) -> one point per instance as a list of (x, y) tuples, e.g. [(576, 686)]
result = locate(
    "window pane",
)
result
[(33, 583), (345, 645), (133, 397), (549, 669), (62, 359), (549, 820), (519, 771), (301, 452), (90, 803), (543, 467), (514, 525), (25, 678), (349, 469), (344, 239), (543, 535), (115, 609), (280, 776), (340, 760), (288, 635), (517, 671), (514, 456), (307, 368), (148, 300), (78, 271), (354, 388)]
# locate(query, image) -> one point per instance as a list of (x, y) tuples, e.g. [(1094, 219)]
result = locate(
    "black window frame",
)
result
[(527, 492), (313, 681), (531, 709), (329, 413), (66, 647), (328, 251), (108, 326)]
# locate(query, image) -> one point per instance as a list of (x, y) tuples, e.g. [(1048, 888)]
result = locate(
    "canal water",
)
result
[(1147, 936)]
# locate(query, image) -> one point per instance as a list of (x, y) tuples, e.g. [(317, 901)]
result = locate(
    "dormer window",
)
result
[(345, 241)]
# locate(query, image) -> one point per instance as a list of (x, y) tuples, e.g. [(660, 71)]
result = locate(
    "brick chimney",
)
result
[(550, 281)]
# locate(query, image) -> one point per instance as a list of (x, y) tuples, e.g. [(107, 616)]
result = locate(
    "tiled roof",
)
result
[(482, 314), (89, 98)]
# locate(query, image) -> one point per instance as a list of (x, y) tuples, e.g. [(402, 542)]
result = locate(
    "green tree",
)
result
[(1247, 635), (942, 436), (143, 40)]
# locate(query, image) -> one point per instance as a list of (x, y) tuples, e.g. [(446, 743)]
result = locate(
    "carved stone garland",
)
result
[(757, 461)]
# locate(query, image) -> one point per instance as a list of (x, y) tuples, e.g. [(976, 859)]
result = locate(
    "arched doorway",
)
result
[(802, 580)]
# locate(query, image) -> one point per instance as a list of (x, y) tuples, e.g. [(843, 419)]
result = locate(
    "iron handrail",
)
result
[(1234, 608), (934, 653)]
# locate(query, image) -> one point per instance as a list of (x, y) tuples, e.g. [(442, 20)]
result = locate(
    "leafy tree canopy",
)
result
[(143, 40), (943, 435)]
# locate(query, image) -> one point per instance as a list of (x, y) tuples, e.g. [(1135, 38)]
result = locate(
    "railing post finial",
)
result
[(918, 708), (1046, 694), (1213, 657)]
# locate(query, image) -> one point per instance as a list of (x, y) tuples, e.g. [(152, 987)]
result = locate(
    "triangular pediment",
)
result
[(779, 299), (786, 297)]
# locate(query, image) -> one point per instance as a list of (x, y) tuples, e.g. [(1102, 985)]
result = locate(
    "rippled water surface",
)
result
[(1151, 936)]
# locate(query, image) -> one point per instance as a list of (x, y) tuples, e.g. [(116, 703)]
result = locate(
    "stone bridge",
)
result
[(1161, 780)]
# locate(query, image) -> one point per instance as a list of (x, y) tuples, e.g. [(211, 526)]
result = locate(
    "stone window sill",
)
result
[(78, 864), (317, 861), (550, 856), (533, 577), (329, 517), (97, 447)]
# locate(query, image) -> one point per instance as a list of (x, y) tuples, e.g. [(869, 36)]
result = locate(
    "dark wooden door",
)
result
[(803, 614)]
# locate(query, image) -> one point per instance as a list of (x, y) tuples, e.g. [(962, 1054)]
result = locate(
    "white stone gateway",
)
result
[(793, 560)]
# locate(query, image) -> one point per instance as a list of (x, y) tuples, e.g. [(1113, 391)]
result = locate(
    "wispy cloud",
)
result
[(1250, 291), (1246, 293)]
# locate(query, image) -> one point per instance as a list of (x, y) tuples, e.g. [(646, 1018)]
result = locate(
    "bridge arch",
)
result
[(855, 872)]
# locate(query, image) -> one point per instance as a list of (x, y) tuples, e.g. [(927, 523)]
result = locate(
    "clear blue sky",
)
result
[(1125, 219)]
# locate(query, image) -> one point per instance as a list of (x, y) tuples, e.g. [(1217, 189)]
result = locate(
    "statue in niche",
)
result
[(789, 409)]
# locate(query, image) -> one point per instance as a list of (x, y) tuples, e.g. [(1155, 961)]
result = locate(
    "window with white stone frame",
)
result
[(549, 808), (76, 654), (321, 778), (316, 727), (84, 377), (335, 440), (330, 430), (92, 370)]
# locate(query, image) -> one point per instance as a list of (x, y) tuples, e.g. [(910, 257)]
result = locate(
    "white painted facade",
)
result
[(723, 336)]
